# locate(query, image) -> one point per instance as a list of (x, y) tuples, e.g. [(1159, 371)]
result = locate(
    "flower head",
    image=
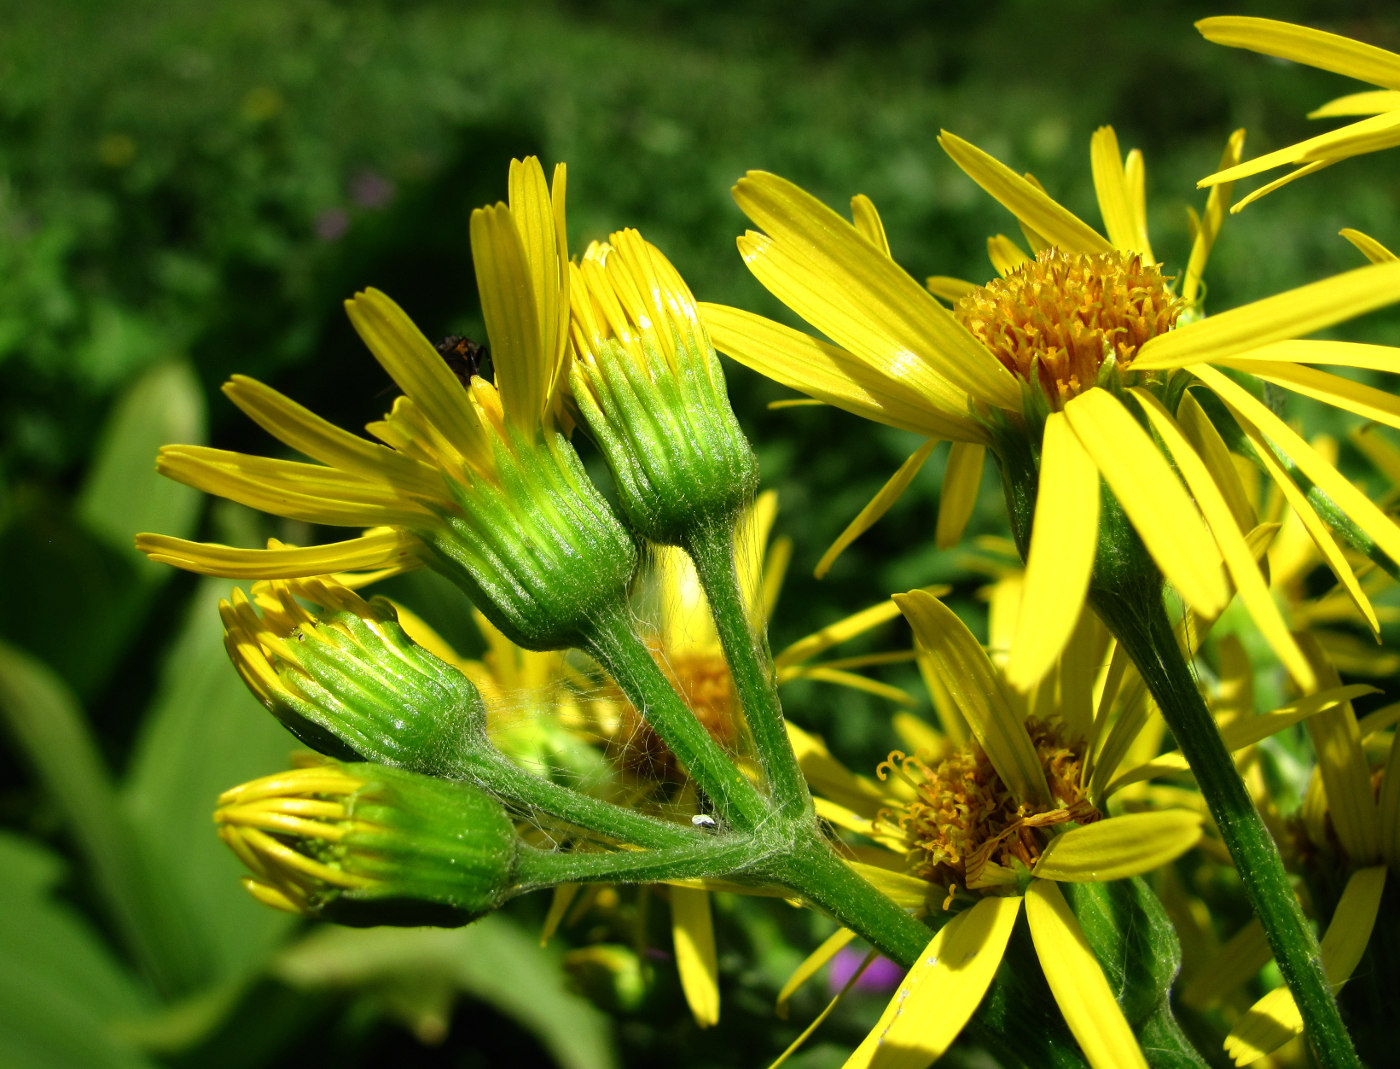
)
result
[(1081, 364), (347, 680), (475, 479), (650, 389), (367, 844)]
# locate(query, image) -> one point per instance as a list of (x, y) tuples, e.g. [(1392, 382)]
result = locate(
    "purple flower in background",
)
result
[(881, 976), (370, 189), (331, 225)]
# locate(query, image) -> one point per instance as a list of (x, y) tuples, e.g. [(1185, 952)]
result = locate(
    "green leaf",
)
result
[(203, 734), (46, 721), (55, 1010), (415, 970), (122, 493)]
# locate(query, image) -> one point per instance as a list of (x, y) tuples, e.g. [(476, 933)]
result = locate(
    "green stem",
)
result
[(711, 547), (714, 856), (612, 642), (1139, 621), (497, 774)]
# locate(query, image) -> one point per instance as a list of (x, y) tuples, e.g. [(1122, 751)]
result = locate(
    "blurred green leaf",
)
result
[(61, 989), (203, 734), (414, 970), (45, 719), (122, 493)]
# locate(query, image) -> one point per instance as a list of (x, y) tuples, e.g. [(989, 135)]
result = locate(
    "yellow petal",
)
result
[(1285, 315), (811, 964), (947, 288), (693, 930), (538, 216), (1163, 514), (1005, 254), (1077, 981), (826, 271), (905, 891), (1117, 847), (830, 374), (978, 691), (1064, 539), (1316, 48), (1209, 227), (1347, 394), (1342, 765), (1366, 135), (418, 368), (1249, 580), (962, 478), (941, 991), (1119, 204), (879, 504), (867, 222), (1357, 507), (380, 548), (1025, 200), (1237, 962), (513, 317), (1216, 456), (1369, 247), (1274, 1019), (1370, 102)]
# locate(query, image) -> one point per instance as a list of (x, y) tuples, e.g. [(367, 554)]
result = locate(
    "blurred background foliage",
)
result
[(188, 191)]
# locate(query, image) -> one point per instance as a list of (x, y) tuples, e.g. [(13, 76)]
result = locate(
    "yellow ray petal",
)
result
[(908, 892), (1346, 394), (1316, 48), (693, 931), (513, 317), (978, 691), (1278, 183), (1005, 254), (538, 216), (1216, 456), (1077, 981), (846, 287), (830, 374), (1237, 962), (1285, 315), (379, 548), (1209, 227), (878, 506), (1123, 220), (1370, 102), (962, 478), (947, 288), (1358, 508), (1118, 847), (1024, 199), (1064, 539), (1274, 1019), (867, 222), (1160, 510), (1249, 580), (1366, 135), (1342, 765), (1369, 247), (941, 991), (811, 964), (417, 367)]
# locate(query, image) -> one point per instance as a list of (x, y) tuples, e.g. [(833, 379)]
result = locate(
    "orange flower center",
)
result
[(962, 815), (1058, 319)]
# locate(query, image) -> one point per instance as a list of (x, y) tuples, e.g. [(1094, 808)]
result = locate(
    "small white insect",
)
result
[(704, 820)]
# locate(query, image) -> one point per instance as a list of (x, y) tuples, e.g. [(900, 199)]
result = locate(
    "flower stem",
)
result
[(711, 547), (1139, 621), (491, 770), (711, 856), (612, 642)]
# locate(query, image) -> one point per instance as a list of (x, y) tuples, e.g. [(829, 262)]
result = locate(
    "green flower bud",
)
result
[(363, 844), (348, 681), (537, 548), (650, 389)]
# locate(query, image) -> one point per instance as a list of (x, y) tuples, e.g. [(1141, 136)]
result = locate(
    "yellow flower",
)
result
[(1326, 51), (1084, 355), (983, 827), (472, 477)]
